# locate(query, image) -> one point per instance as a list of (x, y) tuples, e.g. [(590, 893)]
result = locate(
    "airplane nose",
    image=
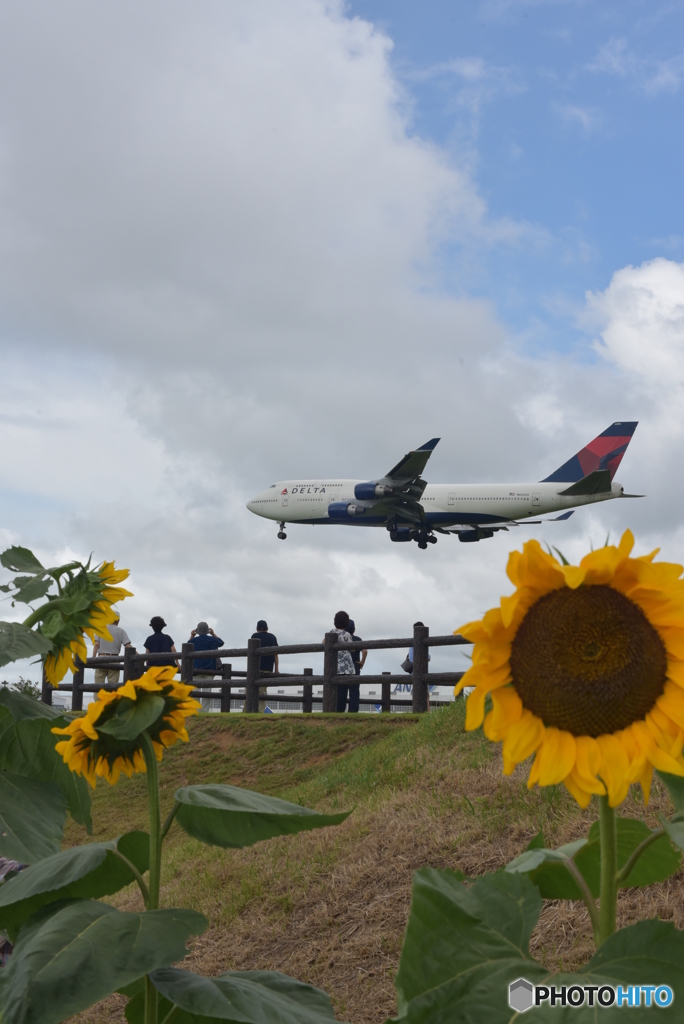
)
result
[(250, 505)]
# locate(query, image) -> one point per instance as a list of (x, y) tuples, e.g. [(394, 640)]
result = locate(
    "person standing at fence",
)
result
[(268, 662), (204, 639), (160, 643), (345, 664), (359, 659), (110, 648)]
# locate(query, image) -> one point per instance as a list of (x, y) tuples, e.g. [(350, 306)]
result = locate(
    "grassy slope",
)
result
[(330, 906)]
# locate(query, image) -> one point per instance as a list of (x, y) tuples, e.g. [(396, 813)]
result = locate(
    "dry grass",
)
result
[(330, 907)]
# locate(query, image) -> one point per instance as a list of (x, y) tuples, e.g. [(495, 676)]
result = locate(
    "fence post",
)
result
[(226, 672), (253, 674), (46, 690), (329, 670), (187, 665), (307, 694), (77, 691), (420, 668), (386, 705), (129, 667)]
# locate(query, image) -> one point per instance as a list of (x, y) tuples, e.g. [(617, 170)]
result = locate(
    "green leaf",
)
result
[(34, 588), (465, 947), (533, 858), (82, 872), (228, 816), (18, 559), (674, 829), (554, 882), (27, 747), (21, 707), (52, 623), (32, 816), (248, 997), (65, 962), (675, 787), (133, 716), (453, 930), (16, 642), (537, 842)]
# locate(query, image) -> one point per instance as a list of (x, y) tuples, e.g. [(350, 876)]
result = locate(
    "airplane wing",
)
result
[(398, 493), (413, 463)]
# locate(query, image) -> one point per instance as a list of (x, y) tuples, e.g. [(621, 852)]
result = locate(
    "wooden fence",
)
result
[(252, 679)]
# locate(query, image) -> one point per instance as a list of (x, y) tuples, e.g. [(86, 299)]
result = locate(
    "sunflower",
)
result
[(585, 668), (82, 606), (91, 750)]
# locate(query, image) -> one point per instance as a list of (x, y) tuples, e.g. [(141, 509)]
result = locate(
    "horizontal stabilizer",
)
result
[(597, 482)]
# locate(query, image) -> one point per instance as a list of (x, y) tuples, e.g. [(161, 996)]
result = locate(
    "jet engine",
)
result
[(371, 490), (345, 509), (471, 536)]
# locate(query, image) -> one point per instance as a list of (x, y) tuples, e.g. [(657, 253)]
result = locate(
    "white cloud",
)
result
[(652, 75), (641, 315), (587, 117)]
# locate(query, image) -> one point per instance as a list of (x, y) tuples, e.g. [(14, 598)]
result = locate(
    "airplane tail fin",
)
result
[(603, 453)]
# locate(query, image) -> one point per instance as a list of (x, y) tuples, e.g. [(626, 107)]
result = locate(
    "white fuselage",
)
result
[(307, 501)]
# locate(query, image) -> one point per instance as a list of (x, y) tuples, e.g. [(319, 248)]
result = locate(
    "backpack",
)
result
[(345, 662)]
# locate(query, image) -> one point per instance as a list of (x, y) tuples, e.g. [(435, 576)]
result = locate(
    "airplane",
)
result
[(410, 509)]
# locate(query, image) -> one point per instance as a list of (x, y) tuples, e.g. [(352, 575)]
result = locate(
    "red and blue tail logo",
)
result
[(604, 452)]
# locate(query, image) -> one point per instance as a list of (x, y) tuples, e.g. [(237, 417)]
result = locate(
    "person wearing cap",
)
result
[(160, 643), (110, 648), (204, 638), (269, 662)]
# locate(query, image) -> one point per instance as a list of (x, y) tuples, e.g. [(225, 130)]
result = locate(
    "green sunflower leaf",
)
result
[(51, 623), (21, 707), (34, 588), (247, 997), (462, 940), (132, 717), (675, 787), (674, 829), (32, 816), (465, 947), (18, 559), (231, 817), (81, 872), (27, 748), (70, 957), (658, 862), (16, 642)]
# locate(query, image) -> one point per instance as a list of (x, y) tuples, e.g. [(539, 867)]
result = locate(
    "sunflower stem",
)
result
[(151, 1001), (609, 880)]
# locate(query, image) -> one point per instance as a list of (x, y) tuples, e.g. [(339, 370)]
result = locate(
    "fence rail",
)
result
[(254, 681)]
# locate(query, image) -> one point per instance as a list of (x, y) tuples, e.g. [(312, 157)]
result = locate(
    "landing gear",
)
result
[(281, 532), (420, 534)]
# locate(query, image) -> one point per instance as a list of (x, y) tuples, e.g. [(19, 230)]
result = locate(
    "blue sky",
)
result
[(570, 115)]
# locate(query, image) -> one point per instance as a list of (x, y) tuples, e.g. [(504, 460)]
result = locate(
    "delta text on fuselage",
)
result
[(411, 509)]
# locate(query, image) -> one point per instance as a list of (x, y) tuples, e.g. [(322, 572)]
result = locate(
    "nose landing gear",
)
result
[(281, 532)]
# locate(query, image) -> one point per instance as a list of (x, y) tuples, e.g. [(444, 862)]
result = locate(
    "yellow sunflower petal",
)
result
[(507, 709), (556, 756), (614, 768), (475, 704), (523, 738)]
